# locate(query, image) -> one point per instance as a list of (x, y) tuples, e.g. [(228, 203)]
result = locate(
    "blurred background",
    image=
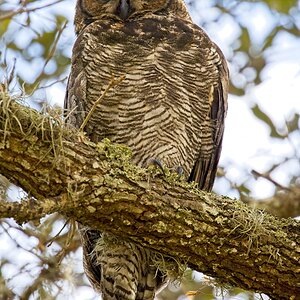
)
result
[(261, 152)]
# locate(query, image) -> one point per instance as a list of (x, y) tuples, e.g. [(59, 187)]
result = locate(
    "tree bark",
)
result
[(98, 186)]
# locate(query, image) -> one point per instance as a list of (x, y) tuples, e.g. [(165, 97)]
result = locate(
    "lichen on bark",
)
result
[(98, 186)]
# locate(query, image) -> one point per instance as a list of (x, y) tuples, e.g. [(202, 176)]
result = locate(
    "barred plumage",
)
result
[(170, 106)]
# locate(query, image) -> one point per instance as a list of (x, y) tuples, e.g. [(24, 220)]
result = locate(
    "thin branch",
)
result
[(268, 177), (284, 204), (113, 82), (10, 14), (29, 209), (62, 80)]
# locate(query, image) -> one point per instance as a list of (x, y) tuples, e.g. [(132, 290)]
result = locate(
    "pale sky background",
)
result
[(247, 144)]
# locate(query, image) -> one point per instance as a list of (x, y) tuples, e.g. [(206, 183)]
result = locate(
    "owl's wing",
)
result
[(89, 238), (75, 97), (205, 167)]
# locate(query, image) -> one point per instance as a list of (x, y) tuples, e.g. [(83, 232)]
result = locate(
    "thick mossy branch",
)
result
[(98, 186)]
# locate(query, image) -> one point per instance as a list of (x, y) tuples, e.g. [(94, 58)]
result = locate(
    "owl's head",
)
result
[(122, 10)]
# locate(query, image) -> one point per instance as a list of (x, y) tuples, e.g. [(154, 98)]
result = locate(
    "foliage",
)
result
[(35, 48)]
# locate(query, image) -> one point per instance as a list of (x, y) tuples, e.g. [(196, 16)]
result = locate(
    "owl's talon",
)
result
[(179, 172), (157, 163)]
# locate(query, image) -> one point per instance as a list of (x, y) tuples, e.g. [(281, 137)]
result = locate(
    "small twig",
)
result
[(70, 236), (11, 74), (10, 14), (53, 239), (53, 47), (111, 84), (267, 176), (49, 56), (52, 83)]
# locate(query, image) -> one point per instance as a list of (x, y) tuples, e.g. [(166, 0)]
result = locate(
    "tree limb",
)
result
[(97, 186), (283, 204)]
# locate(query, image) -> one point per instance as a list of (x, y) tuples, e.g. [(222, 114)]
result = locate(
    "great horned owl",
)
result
[(170, 106)]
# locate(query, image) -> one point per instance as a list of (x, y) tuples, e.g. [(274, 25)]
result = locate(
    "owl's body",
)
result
[(170, 106)]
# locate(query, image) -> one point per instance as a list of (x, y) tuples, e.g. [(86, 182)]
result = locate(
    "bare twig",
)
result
[(111, 84), (12, 13), (268, 177)]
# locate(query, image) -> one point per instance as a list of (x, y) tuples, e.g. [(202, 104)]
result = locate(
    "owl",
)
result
[(144, 75)]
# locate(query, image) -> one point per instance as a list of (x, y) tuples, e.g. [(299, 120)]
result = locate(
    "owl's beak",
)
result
[(124, 9)]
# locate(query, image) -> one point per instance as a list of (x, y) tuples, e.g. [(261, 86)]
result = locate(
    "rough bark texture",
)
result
[(97, 186)]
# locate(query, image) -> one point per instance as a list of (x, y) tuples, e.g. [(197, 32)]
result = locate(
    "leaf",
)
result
[(282, 6), (245, 40), (267, 120), (46, 40), (294, 123), (4, 26)]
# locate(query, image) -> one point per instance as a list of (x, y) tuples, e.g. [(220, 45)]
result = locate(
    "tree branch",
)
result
[(11, 13), (29, 209), (283, 204), (97, 186)]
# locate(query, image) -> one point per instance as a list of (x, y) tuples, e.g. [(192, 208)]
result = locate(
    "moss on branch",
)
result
[(98, 186)]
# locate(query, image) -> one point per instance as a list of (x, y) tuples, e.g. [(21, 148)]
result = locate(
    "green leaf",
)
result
[(267, 120), (4, 26), (293, 124), (282, 6), (46, 40), (245, 40)]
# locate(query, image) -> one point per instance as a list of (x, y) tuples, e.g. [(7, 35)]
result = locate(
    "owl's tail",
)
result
[(119, 270)]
